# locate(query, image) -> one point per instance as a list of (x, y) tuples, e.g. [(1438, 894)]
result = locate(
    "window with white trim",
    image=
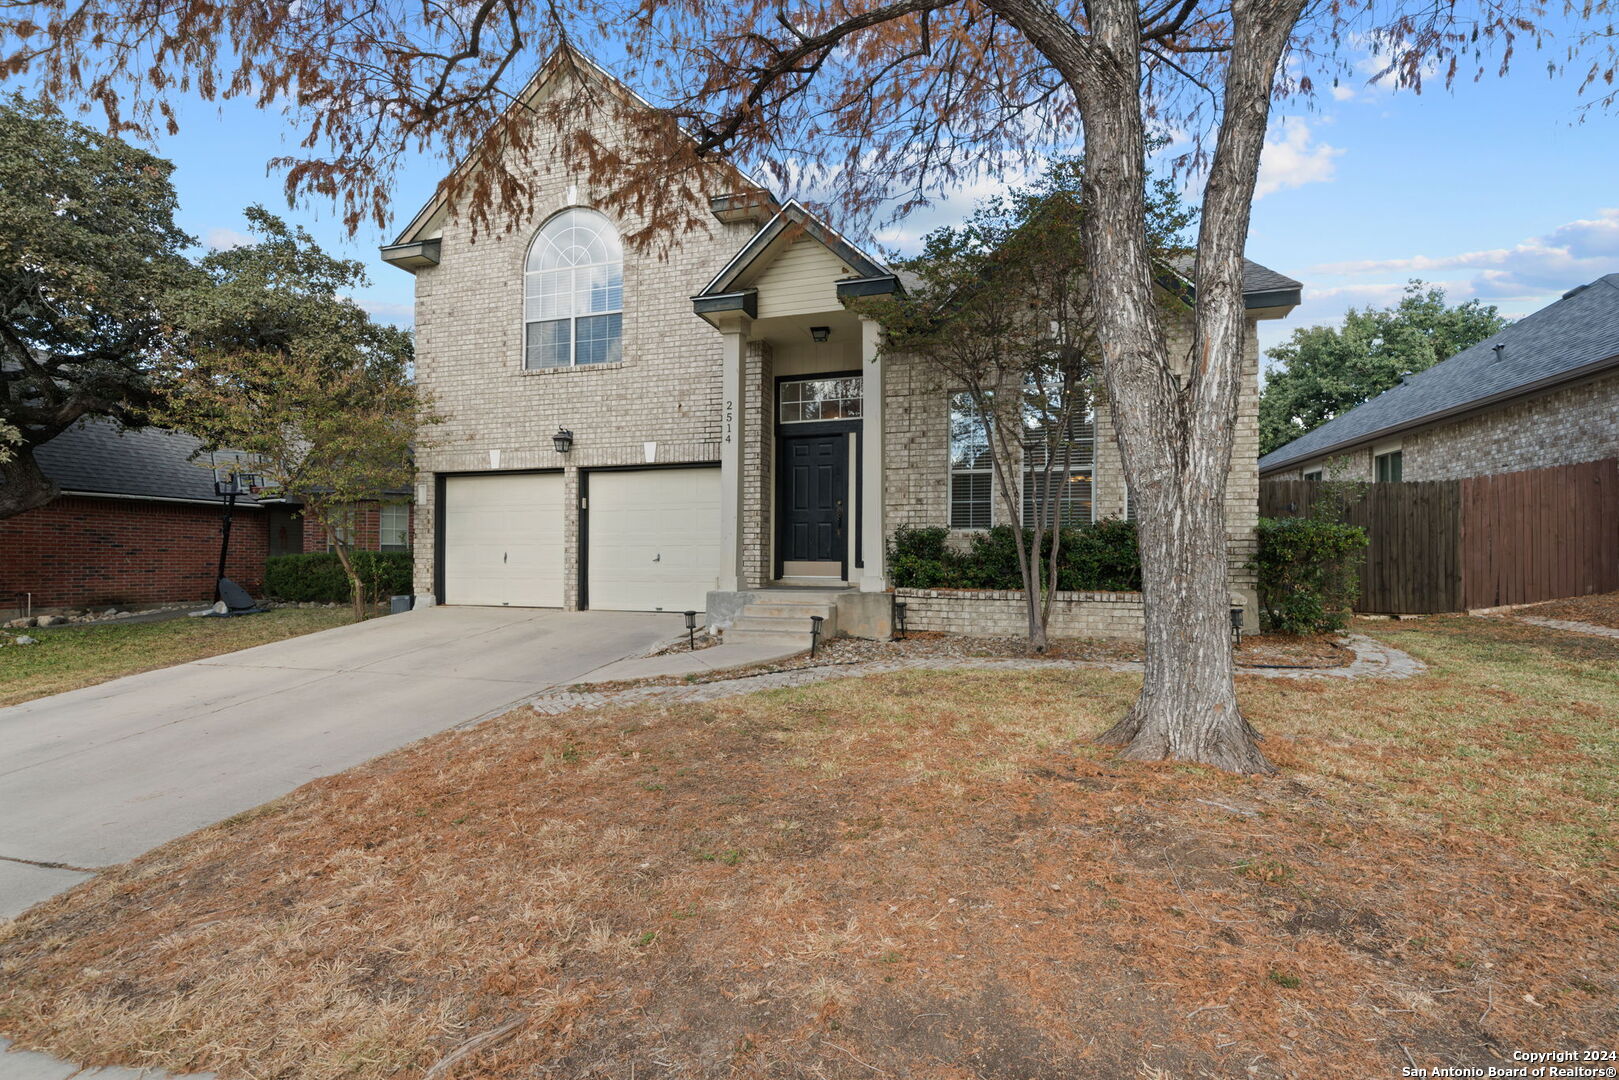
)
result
[(1070, 500), (805, 401), (1312, 474), (573, 293), (1390, 467), (393, 527), (971, 469)]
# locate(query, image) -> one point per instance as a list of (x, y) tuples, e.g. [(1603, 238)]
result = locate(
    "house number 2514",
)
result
[(728, 421)]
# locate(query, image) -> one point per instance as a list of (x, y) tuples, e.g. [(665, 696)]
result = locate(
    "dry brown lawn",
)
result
[(915, 875)]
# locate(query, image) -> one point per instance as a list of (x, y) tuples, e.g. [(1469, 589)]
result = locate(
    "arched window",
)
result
[(573, 293)]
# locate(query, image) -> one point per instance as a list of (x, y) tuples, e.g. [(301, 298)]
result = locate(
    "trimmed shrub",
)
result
[(1104, 557), (1308, 574), (318, 577), (1096, 558), (924, 559)]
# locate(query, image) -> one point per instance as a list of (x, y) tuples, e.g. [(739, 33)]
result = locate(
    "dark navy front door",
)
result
[(815, 498)]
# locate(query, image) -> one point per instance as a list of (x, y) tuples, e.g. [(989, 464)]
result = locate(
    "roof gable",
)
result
[(1574, 337), (563, 62)]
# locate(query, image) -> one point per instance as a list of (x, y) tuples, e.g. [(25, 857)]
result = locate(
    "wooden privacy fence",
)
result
[(1540, 535), (1449, 545)]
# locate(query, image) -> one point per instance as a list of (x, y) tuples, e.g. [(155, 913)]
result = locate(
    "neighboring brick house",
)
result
[(1542, 392), (137, 523), (687, 431)]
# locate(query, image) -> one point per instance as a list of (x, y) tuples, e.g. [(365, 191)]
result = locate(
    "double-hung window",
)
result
[(971, 470), (393, 527), (1064, 492), (573, 293)]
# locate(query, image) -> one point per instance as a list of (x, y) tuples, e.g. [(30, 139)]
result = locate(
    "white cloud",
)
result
[(219, 239), (1569, 255), (387, 311), (1292, 158)]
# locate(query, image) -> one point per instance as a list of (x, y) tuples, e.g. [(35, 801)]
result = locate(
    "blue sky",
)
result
[(1501, 189)]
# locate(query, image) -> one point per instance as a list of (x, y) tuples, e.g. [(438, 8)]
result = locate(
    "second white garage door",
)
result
[(503, 539), (654, 539)]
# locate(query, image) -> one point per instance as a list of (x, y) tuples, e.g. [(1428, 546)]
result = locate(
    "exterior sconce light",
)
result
[(899, 618), (1236, 626), (691, 630), (820, 333), (562, 440)]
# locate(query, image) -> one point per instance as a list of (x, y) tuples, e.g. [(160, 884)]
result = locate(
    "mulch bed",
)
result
[(1268, 650), (1599, 610)]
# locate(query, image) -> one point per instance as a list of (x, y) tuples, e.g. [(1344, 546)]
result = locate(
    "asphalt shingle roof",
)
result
[(96, 457), (1578, 332)]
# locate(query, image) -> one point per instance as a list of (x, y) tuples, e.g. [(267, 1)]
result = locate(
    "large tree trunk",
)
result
[(1174, 421), (23, 486)]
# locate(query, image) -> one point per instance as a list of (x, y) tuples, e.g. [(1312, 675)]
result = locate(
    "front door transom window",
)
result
[(804, 401)]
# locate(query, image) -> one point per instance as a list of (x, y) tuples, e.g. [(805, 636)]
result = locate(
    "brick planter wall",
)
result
[(88, 552), (999, 612)]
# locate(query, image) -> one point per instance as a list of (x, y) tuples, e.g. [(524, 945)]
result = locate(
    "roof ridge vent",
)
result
[(1576, 290)]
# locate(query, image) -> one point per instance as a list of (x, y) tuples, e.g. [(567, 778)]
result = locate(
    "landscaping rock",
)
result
[(18, 624), (52, 620), (24, 639), (110, 612)]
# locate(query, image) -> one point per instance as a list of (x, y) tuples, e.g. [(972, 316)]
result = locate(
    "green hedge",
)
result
[(1308, 572), (319, 577), (1102, 557)]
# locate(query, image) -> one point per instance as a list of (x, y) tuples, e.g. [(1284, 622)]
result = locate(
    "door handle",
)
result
[(840, 515)]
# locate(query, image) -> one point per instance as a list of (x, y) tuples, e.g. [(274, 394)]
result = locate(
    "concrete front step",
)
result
[(790, 609), (745, 636)]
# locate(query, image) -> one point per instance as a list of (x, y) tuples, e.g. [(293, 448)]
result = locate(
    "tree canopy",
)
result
[(279, 365), (89, 250), (1324, 371)]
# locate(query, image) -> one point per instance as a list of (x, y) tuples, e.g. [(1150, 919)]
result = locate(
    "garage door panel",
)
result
[(654, 539), (503, 539)]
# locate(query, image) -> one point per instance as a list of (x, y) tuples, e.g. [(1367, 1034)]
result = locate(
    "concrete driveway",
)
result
[(97, 776)]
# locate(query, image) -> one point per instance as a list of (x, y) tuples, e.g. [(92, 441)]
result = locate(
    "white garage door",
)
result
[(654, 539), (503, 539)]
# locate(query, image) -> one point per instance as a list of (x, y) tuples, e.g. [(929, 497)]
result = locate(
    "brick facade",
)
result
[(80, 551), (469, 356), (1561, 427), (1001, 612), (367, 530), (918, 438)]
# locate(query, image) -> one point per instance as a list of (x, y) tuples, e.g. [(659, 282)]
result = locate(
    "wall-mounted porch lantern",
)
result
[(820, 333), (562, 440)]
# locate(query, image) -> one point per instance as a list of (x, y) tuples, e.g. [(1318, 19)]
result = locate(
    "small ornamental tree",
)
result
[(280, 366), (1000, 309), (89, 248)]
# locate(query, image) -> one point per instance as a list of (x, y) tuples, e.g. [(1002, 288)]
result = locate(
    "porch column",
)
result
[(872, 532), (732, 414)]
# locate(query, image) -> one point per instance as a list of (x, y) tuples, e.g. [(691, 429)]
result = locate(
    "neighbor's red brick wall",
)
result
[(86, 552), (368, 527)]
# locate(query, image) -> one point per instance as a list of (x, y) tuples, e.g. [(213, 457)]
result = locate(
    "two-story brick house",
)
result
[(690, 431)]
